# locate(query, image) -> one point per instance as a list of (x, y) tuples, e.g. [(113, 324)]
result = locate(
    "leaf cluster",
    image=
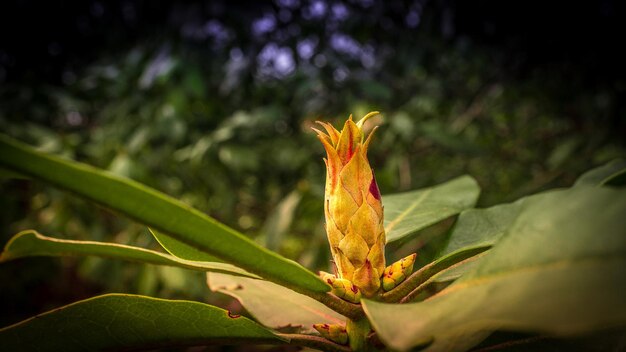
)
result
[(551, 264)]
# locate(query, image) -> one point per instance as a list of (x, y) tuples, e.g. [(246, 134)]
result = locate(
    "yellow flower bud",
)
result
[(396, 273), (342, 288), (334, 332), (353, 207)]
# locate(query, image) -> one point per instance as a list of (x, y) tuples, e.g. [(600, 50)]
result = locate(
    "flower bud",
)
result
[(334, 332), (342, 288), (396, 273), (353, 207)]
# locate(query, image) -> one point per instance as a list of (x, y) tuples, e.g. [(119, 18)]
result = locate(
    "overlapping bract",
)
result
[(353, 207)]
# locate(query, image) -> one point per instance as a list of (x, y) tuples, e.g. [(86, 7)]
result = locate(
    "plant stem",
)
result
[(427, 284), (358, 330), (345, 308), (425, 273)]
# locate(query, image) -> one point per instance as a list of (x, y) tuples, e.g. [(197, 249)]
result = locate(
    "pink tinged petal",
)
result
[(375, 204), (350, 136), (355, 176), (373, 188)]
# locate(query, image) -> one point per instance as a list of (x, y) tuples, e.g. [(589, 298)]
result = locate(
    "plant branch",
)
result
[(313, 341), (345, 308), (426, 272)]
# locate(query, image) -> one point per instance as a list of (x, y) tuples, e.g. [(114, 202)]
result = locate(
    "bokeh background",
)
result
[(212, 102)]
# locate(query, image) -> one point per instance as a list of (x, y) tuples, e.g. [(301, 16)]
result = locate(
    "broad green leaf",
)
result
[(409, 212), (30, 243), (273, 305), (475, 231), (160, 212), (129, 322), (477, 228), (560, 269), (603, 175)]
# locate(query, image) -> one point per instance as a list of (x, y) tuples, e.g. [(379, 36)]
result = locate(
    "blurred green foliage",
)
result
[(222, 122)]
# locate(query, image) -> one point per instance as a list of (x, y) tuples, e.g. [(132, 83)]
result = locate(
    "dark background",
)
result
[(212, 102)]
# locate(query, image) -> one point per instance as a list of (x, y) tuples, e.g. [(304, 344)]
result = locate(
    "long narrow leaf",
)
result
[(30, 243), (130, 322), (159, 211)]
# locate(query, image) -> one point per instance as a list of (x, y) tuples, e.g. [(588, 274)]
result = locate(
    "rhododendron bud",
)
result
[(334, 332), (396, 273), (342, 287), (353, 207)]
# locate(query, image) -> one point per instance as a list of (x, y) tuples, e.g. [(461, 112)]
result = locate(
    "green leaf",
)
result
[(129, 322), (477, 230), (30, 243), (409, 212), (159, 211), (604, 175), (273, 305), (180, 249), (560, 269)]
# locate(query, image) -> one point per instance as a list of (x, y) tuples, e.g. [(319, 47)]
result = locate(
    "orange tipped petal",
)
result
[(348, 140), (332, 131)]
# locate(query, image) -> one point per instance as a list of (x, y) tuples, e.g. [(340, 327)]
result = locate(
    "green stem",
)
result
[(345, 308), (426, 272), (358, 330), (432, 280)]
